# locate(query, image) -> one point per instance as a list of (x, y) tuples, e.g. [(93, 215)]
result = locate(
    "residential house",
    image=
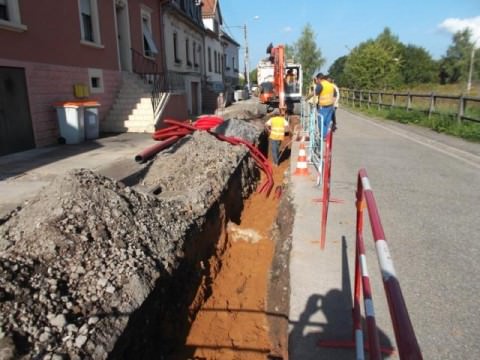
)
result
[(214, 65), (48, 47), (230, 56), (183, 33)]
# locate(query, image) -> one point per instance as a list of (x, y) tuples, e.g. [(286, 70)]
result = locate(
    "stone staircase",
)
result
[(132, 109)]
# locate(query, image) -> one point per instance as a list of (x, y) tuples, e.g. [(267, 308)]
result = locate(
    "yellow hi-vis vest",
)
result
[(327, 95), (277, 131)]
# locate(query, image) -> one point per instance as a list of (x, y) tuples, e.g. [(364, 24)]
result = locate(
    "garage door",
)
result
[(16, 132)]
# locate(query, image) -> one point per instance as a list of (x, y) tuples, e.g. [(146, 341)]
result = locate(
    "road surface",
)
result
[(427, 188)]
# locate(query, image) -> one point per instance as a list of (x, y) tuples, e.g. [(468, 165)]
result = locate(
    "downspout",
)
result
[(163, 58)]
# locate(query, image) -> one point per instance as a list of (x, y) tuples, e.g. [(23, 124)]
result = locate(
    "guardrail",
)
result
[(465, 106), (406, 340), (320, 156)]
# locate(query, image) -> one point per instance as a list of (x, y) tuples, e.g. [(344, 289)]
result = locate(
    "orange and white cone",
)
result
[(302, 166)]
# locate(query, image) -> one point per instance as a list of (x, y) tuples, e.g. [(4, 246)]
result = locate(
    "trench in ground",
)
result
[(245, 314), (229, 297)]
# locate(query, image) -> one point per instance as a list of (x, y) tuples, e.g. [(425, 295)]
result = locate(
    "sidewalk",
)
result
[(24, 174), (320, 289)]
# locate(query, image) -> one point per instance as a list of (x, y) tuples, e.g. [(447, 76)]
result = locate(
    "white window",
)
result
[(89, 22), (10, 16), (149, 47)]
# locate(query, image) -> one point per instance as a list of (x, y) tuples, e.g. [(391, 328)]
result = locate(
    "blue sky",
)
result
[(346, 23)]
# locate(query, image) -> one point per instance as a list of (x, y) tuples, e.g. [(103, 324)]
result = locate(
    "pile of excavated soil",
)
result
[(78, 261), (246, 110)]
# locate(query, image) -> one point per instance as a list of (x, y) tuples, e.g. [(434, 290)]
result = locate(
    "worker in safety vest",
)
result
[(326, 93), (335, 104), (276, 126)]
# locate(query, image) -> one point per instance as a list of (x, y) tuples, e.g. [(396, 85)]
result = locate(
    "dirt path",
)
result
[(233, 323)]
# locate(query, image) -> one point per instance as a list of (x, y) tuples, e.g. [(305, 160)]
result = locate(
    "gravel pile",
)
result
[(87, 252)]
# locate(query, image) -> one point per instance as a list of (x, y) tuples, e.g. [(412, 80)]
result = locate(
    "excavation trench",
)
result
[(92, 268)]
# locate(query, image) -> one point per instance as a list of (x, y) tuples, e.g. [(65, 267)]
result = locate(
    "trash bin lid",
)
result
[(77, 103)]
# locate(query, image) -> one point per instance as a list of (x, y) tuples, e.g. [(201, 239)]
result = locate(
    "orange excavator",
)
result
[(283, 88)]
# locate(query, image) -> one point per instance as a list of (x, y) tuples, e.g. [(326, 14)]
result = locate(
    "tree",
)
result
[(417, 66), (253, 76), (372, 65), (307, 54), (290, 52), (337, 71), (455, 64)]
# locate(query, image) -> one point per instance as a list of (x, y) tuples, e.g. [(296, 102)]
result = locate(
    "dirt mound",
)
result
[(246, 110), (84, 255), (81, 251)]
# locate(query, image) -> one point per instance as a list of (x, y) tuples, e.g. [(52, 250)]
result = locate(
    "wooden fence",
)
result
[(459, 107)]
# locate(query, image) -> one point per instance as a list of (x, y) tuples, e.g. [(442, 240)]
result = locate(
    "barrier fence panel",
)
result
[(405, 337), (327, 171)]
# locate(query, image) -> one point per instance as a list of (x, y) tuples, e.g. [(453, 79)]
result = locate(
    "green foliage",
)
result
[(373, 65), (417, 66), (289, 52), (337, 71), (253, 76), (455, 64), (308, 54)]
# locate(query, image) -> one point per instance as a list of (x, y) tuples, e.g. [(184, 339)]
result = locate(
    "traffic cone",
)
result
[(302, 167)]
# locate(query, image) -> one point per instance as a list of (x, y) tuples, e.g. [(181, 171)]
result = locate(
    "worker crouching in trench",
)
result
[(276, 127)]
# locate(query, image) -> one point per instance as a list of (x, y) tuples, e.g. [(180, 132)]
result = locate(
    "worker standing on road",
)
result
[(326, 99), (276, 126), (335, 104)]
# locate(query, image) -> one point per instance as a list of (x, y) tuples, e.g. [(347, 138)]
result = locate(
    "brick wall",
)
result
[(47, 84)]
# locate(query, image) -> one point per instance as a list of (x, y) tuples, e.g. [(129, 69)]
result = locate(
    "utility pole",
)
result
[(470, 71), (247, 65)]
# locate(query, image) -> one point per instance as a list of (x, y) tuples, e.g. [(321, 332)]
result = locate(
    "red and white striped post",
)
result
[(407, 344), (327, 167), (362, 280)]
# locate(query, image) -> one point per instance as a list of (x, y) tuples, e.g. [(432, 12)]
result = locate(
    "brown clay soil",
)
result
[(233, 323)]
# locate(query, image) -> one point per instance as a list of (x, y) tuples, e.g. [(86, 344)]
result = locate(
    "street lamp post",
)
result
[(246, 61), (246, 57)]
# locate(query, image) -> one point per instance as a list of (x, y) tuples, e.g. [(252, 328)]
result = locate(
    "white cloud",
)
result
[(454, 25), (287, 29)]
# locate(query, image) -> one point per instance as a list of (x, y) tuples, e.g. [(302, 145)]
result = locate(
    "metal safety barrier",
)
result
[(406, 340), (320, 156)]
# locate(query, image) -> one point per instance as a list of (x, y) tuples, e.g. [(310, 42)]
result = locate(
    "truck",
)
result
[(280, 81)]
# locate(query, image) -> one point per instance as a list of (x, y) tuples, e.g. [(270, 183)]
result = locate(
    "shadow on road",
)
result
[(336, 306)]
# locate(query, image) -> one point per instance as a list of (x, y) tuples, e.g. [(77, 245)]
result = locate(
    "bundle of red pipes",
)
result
[(178, 129)]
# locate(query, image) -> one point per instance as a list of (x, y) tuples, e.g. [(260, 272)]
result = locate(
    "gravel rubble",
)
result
[(88, 250)]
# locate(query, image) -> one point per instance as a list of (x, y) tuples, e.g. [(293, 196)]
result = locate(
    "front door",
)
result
[(16, 130), (123, 35), (194, 94)]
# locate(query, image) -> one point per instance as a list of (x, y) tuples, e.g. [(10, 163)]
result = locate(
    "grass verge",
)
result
[(442, 123)]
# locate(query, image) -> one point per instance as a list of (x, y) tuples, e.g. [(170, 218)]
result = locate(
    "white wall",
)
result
[(191, 73), (231, 51), (215, 46)]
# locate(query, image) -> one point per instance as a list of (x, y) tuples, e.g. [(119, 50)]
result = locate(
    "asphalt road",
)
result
[(427, 188)]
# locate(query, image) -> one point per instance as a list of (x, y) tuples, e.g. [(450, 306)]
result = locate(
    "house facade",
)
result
[(87, 42), (95, 44), (183, 34), (231, 61)]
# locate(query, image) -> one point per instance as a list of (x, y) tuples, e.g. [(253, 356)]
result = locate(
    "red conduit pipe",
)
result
[(154, 149)]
